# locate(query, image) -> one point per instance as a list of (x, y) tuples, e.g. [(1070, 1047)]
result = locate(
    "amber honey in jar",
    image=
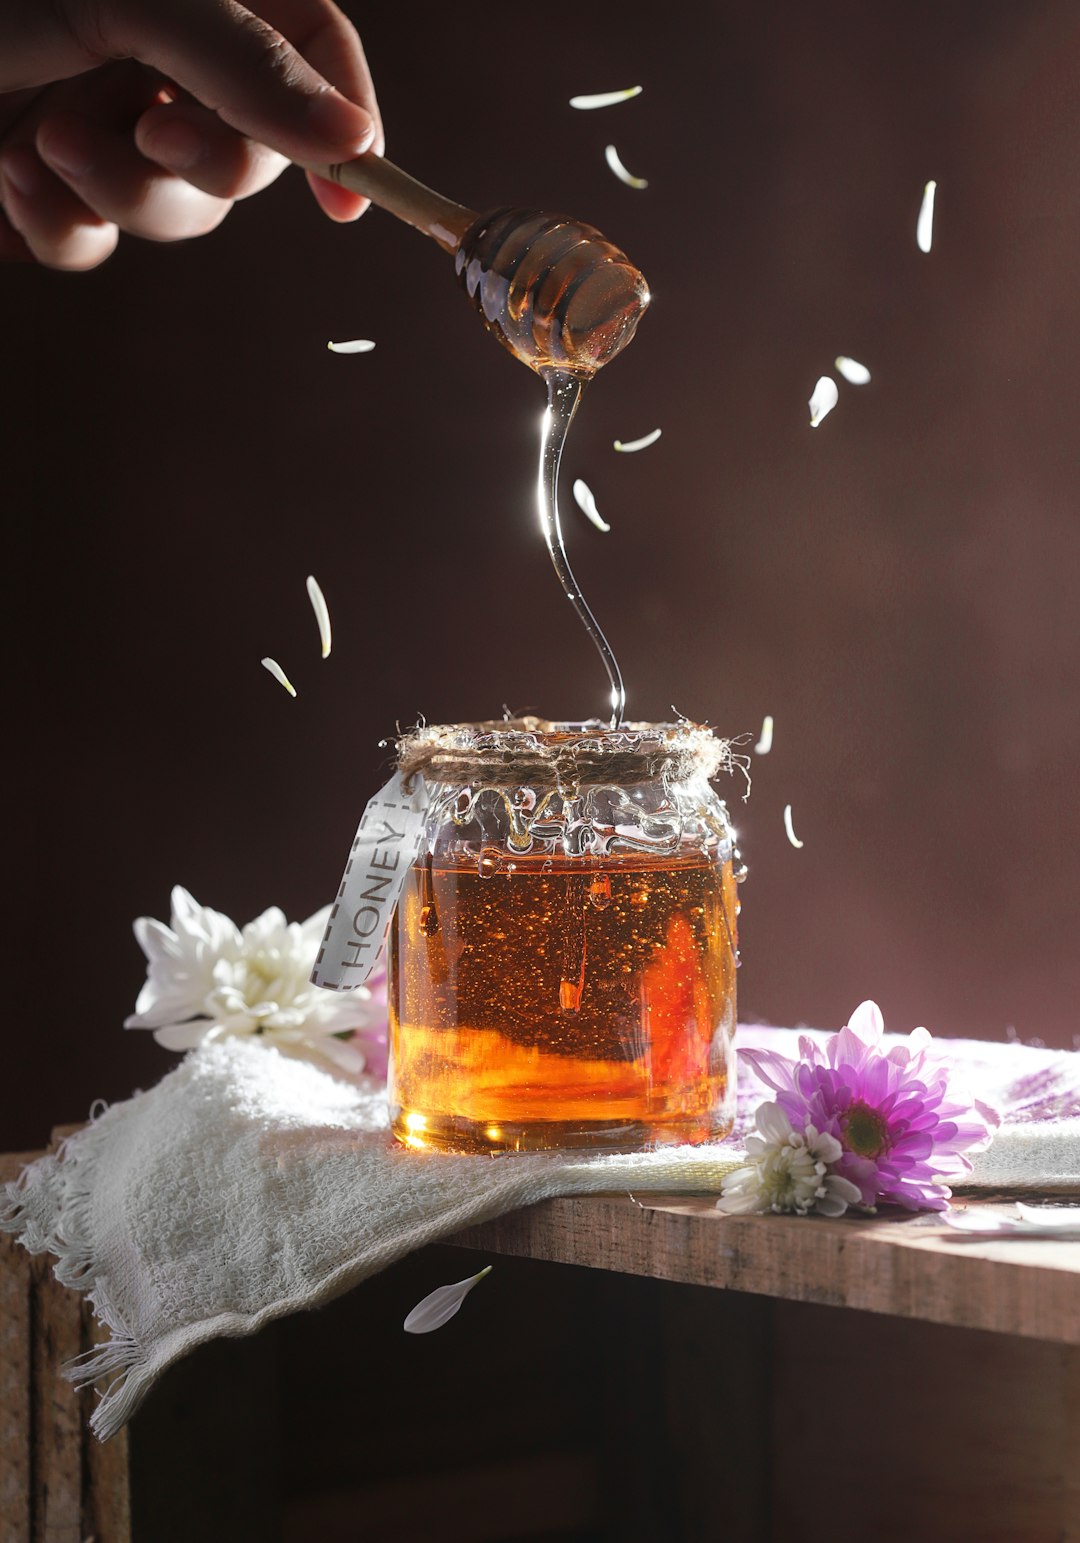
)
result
[(563, 954)]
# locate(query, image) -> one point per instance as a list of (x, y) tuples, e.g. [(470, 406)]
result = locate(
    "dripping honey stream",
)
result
[(556, 293)]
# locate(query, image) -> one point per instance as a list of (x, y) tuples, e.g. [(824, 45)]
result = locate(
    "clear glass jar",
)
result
[(563, 954)]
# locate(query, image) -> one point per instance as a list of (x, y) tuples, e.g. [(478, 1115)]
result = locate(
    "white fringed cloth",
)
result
[(246, 1186)]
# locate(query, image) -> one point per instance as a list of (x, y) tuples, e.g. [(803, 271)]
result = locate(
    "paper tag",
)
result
[(386, 844)]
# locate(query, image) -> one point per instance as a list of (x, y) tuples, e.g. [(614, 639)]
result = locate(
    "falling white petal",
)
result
[(604, 98), (611, 155), (792, 837), (441, 1305), (823, 400), (587, 504), (279, 675), (322, 614), (924, 230), (638, 444), (357, 346), (764, 744), (854, 373)]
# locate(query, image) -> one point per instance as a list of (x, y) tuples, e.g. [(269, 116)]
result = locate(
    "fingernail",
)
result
[(177, 145), (23, 170), (340, 122), (63, 149)]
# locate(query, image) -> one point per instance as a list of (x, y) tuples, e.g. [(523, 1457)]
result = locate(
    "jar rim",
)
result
[(564, 754)]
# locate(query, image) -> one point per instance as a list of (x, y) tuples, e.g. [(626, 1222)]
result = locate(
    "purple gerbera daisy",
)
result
[(904, 1129)]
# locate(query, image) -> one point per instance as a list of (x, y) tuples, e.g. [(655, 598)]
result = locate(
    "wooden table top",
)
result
[(909, 1266)]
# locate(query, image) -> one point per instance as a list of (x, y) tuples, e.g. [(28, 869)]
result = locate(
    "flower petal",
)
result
[(741, 1202), (867, 1023), (279, 674), (789, 828), (764, 744), (771, 1067), (343, 1053), (1049, 1216), (611, 155), (183, 1036), (157, 1015), (924, 228), (155, 939), (604, 98), (186, 910), (823, 401), (854, 373), (322, 613), (772, 1122), (357, 346), (827, 1147), (441, 1305), (585, 501), (630, 445)]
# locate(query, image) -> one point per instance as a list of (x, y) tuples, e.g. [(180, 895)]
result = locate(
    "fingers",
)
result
[(103, 168), (57, 227), (337, 202), (328, 39), (69, 179), (245, 70), (193, 142)]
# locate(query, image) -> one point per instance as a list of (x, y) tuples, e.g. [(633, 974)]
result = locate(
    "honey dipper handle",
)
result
[(394, 190)]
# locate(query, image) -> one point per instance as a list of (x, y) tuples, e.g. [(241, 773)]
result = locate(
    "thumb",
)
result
[(247, 72)]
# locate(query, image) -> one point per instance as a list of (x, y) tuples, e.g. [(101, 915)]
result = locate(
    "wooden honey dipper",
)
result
[(554, 291)]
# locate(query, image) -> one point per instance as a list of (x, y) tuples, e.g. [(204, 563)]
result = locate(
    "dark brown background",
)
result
[(899, 588)]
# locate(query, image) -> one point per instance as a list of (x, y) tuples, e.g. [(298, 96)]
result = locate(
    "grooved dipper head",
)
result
[(554, 291)]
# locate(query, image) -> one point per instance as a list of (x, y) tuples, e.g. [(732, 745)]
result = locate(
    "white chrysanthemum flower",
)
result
[(787, 1171), (207, 980)]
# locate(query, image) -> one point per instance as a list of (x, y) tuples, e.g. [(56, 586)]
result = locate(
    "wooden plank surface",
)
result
[(882, 1265), (56, 1419), (15, 1289), (58, 1483), (16, 1373)]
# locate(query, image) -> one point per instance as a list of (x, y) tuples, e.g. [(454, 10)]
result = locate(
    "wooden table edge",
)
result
[(898, 1266)]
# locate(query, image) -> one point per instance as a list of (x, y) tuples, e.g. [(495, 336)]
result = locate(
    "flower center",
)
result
[(865, 1132)]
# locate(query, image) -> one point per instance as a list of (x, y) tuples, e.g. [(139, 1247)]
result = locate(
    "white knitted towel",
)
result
[(246, 1186)]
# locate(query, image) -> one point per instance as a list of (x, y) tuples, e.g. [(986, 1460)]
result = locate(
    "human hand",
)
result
[(154, 116)]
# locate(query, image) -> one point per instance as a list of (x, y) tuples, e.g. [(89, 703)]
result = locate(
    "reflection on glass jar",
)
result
[(563, 954)]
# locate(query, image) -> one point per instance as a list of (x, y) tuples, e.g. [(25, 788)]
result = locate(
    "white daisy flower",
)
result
[(787, 1171)]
